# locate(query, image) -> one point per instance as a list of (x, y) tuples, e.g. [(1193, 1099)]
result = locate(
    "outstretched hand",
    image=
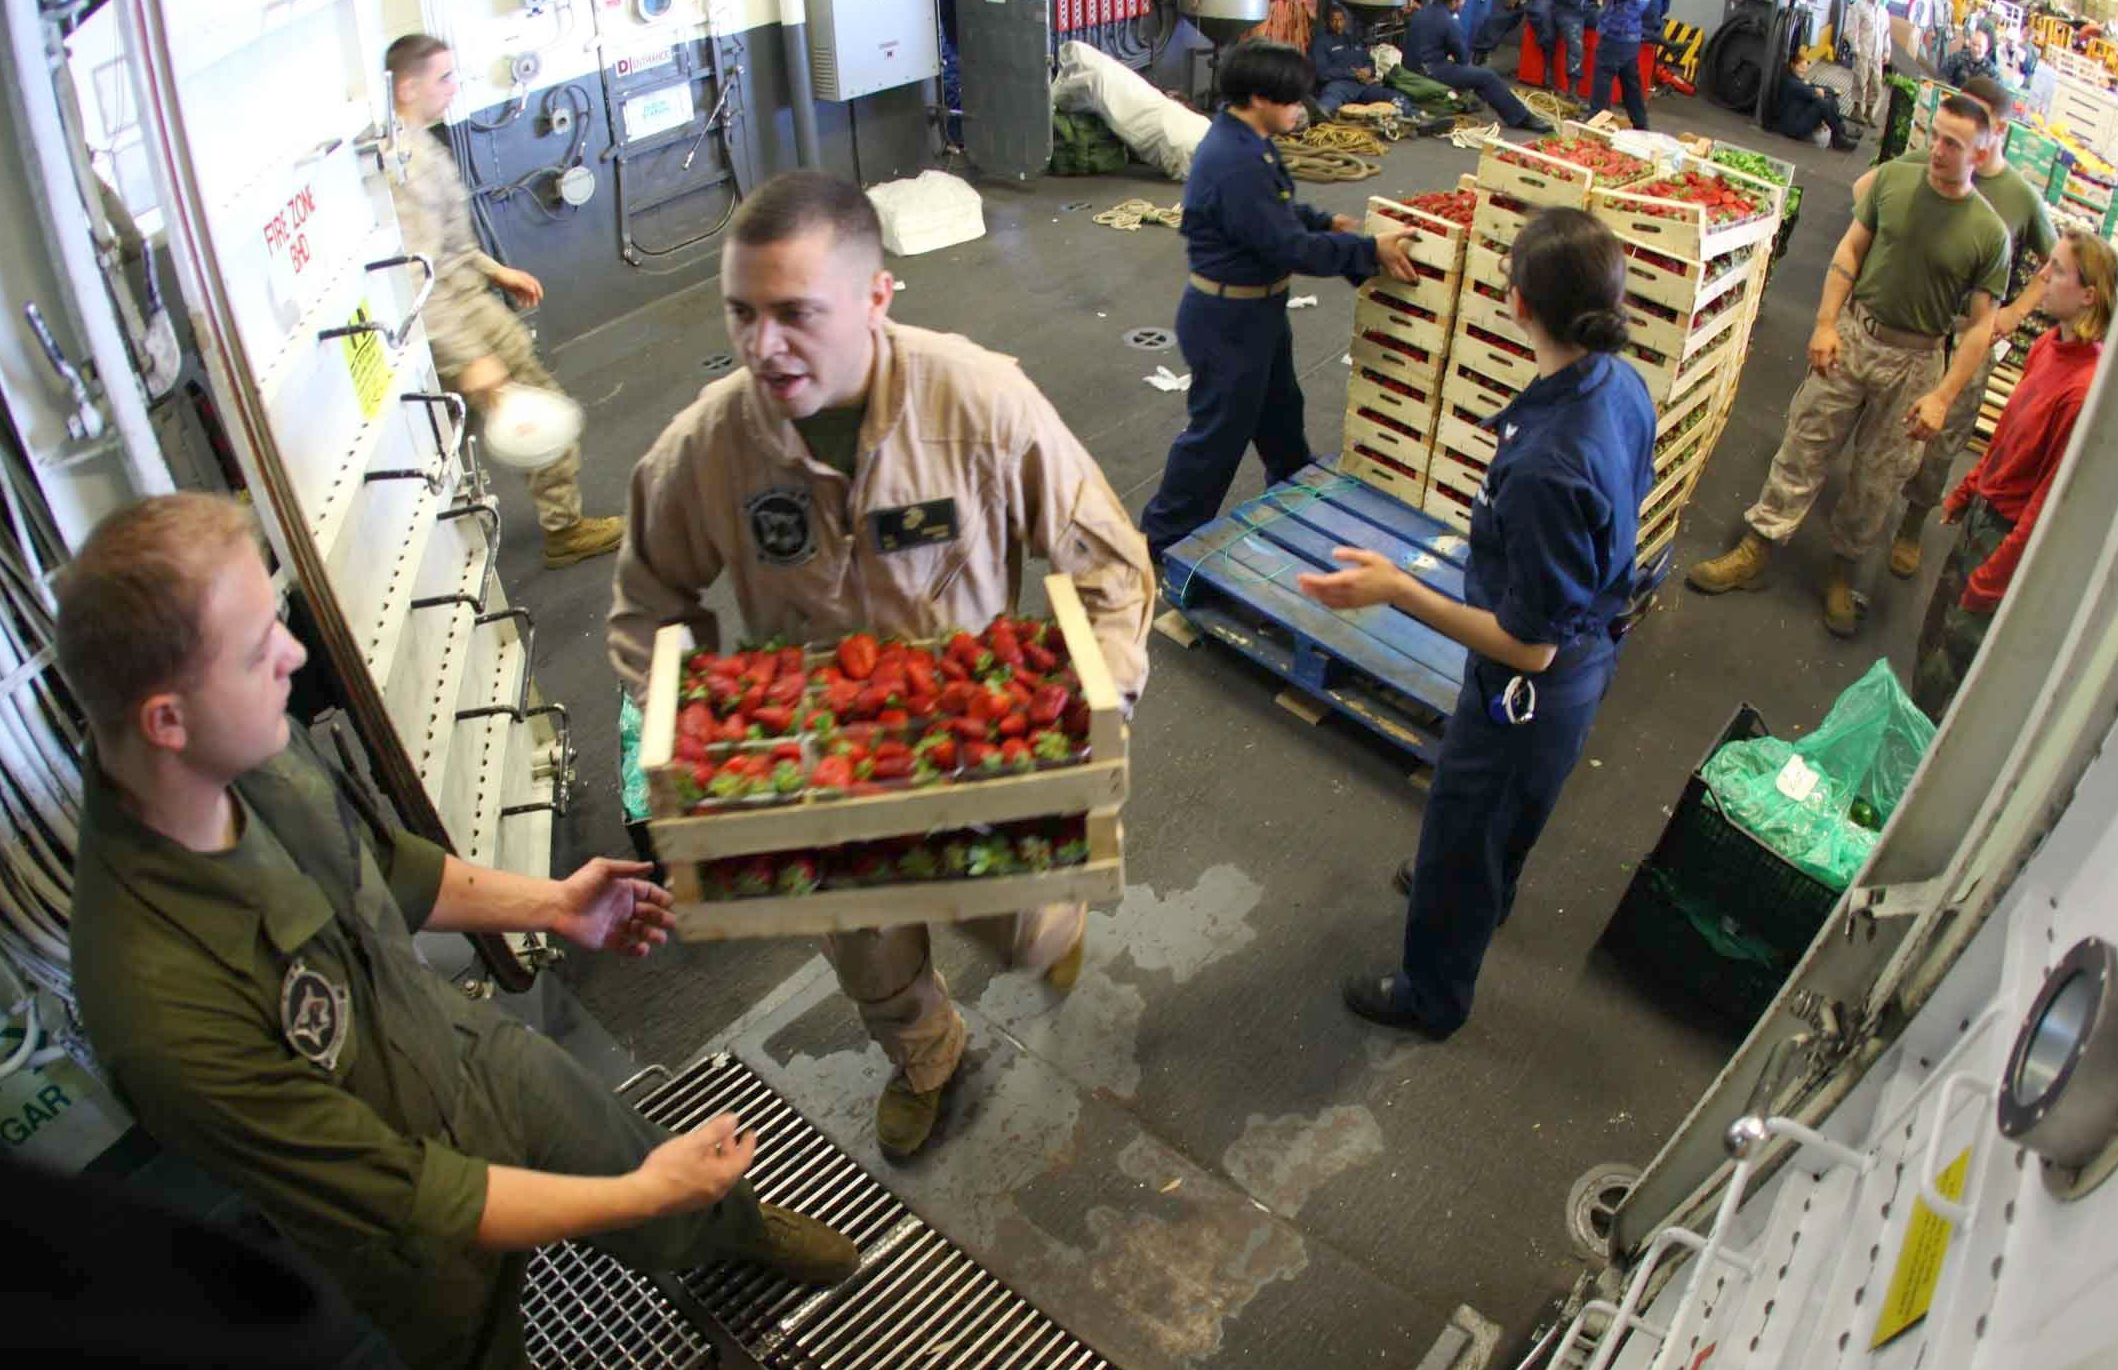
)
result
[(1369, 579), (606, 906)]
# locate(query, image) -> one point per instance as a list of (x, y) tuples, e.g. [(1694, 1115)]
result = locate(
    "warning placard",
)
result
[(369, 363), (1919, 1260)]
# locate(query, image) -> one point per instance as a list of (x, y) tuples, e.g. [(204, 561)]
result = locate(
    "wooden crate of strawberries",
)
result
[(1701, 211), (1558, 169), (890, 782)]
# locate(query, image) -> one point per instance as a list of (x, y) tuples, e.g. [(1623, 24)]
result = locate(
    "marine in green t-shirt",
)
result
[(2030, 232), (1929, 251)]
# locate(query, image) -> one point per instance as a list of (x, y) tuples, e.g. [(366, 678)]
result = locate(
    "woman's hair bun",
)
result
[(1601, 330)]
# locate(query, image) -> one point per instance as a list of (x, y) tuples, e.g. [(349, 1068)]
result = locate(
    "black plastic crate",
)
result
[(1714, 913)]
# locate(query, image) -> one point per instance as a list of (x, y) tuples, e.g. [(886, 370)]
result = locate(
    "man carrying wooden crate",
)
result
[(804, 475), (2030, 233), (1922, 243)]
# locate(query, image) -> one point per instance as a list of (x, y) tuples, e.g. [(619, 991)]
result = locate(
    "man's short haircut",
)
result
[(408, 56), (1964, 107), (795, 202), (1990, 93), (130, 602), (1257, 70)]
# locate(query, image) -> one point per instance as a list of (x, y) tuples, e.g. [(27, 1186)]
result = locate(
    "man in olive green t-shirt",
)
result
[(2030, 232), (1921, 244)]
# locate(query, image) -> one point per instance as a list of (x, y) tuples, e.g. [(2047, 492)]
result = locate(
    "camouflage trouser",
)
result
[(1950, 638), (1861, 406), (1930, 484), (890, 976), (556, 489)]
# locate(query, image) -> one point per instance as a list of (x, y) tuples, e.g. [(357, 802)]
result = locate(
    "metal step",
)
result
[(919, 1299)]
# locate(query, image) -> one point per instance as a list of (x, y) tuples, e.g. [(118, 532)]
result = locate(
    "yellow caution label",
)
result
[(369, 363), (1919, 1260)]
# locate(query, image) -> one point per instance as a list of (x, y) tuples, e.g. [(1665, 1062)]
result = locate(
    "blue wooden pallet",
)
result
[(1233, 580)]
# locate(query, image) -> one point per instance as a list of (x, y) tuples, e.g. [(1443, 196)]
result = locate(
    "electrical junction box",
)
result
[(857, 47)]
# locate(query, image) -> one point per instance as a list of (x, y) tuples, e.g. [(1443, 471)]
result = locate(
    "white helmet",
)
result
[(529, 427)]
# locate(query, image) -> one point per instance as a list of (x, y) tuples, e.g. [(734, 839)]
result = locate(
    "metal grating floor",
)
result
[(919, 1300), (583, 1308)]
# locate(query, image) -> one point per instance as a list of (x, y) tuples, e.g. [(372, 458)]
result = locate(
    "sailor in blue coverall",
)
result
[(1550, 573), (1434, 44), (1244, 233), (1345, 72)]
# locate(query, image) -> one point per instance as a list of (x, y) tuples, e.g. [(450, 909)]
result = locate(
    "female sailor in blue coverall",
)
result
[(1550, 573), (1244, 233)]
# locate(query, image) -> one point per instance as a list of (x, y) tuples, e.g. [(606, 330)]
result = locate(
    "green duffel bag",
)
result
[(1083, 145)]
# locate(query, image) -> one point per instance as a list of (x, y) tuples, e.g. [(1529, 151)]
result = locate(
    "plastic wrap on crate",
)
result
[(927, 212)]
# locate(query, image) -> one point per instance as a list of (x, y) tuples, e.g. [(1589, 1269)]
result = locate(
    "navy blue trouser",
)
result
[(1487, 85), (1243, 391), (1338, 93), (1620, 62), (1494, 786)]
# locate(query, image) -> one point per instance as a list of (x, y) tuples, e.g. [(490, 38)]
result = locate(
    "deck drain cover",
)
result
[(719, 362), (1071, 205), (1151, 339)]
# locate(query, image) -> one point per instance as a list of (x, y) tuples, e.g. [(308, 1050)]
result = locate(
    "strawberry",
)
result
[(970, 729), (923, 704), (988, 705), (832, 773), (694, 720), (841, 695), (787, 751), (953, 670), (1015, 753), (786, 689), (872, 866), (956, 696), (1014, 724), (1042, 660), (873, 699), (981, 756), (787, 777), (755, 878), (1019, 693), (733, 728), (819, 721), (790, 661), (893, 718), (1005, 644), (1033, 853), (1047, 704), (963, 648), (942, 753), (775, 719), (798, 876), (895, 767), (857, 656), (689, 748), (1050, 746), (729, 783), (752, 698), (919, 674)]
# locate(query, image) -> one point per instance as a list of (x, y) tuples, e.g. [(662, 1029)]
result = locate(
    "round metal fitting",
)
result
[(2059, 1094), (1592, 1206), (576, 185), (1150, 339)]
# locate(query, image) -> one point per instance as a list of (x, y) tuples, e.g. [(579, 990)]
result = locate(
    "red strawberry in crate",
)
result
[(857, 655), (832, 773), (695, 720), (775, 719), (733, 728), (791, 661), (1033, 853), (1043, 660), (1047, 704), (755, 877), (1015, 755), (798, 875), (786, 689)]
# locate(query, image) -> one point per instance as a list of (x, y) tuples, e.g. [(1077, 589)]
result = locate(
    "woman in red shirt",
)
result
[(1998, 503)]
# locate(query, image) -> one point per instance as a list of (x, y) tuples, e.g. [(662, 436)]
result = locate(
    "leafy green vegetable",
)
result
[(1750, 164)]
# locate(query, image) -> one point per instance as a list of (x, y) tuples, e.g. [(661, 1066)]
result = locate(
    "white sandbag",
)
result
[(1159, 130), (928, 211)]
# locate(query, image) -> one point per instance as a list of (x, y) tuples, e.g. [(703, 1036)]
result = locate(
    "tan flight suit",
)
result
[(264, 1012), (464, 319), (729, 488)]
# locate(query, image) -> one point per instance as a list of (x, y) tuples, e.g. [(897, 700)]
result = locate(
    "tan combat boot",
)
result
[(1840, 614), (1062, 973), (904, 1116), (582, 539), (1741, 567), (1904, 548), (802, 1249)]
